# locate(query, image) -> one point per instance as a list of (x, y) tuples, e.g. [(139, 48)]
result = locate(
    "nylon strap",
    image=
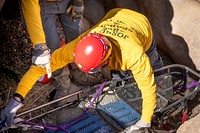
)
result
[(64, 127)]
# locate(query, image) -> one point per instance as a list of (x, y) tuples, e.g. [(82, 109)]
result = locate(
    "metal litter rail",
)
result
[(77, 93), (109, 83)]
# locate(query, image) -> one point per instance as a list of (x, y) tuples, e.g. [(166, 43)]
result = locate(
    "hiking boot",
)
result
[(61, 92), (61, 83), (64, 87)]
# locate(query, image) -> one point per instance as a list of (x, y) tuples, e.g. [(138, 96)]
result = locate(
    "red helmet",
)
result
[(91, 51)]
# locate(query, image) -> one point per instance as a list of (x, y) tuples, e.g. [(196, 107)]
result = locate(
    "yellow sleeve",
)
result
[(60, 58), (144, 77), (31, 13), (29, 79)]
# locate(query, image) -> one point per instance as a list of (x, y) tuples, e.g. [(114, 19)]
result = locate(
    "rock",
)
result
[(175, 28), (185, 23), (92, 14), (94, 11), (191, 126), (129, 4)]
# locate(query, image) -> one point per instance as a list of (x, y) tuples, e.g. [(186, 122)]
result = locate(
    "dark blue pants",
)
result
[(51, 12)]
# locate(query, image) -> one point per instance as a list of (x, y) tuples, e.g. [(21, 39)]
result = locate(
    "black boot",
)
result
[(64, 87)]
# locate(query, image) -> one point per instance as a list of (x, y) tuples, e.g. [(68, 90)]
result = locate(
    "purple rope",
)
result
[(184, 87), (194, 83), (85, 111), (73, 122)]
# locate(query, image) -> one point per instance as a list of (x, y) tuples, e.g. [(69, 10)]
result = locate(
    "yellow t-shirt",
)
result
[(131, 36)]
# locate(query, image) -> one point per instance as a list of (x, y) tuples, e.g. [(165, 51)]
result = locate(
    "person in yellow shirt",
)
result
[(122, 40), (41, 21), (41, 18)]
